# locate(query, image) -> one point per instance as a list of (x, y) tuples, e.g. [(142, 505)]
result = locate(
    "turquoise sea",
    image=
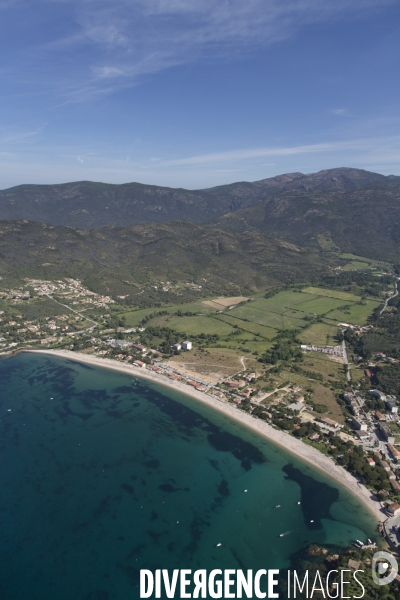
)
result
[(102, 474)]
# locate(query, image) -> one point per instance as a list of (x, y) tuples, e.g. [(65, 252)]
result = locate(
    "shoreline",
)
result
[(294, 446)]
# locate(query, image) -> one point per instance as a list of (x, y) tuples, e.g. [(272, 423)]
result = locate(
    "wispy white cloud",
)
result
[(18, 136), (60, 164), (340, 112), (360, 145), (111, 45)]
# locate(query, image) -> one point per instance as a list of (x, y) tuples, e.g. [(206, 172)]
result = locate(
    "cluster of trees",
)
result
[(308, 374), (307, 429), (353, 458), (286, 348), (356, 280), (161, 338), (114, 320), (373, 403), (387, 378), (159, 313), (385, 335)]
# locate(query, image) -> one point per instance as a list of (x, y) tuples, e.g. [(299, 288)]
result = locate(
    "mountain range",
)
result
[(139, 255), (271, 231)]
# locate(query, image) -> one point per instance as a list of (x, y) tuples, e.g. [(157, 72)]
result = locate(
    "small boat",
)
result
[(9, 410), (299, 503), (244, 491), (218, 545), (283, 534), (312, 521), (360, 543), (277, 506), (369, 542)]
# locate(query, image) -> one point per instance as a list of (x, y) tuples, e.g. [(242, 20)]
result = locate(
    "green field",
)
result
[(286, 299), (356, 265), (332, 294), (356, 314), (320, 306), (133, 318), (319, 334), (193, 325), (265, 317), (254, 324), (266, 332)]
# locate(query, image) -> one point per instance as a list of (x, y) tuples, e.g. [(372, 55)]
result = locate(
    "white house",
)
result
[(391, 403), (187, 345), (378, 394)]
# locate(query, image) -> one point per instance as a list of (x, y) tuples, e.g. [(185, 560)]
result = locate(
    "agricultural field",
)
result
[(356, 265), (357, 261), (285, 299), (327, 293), (223, 302), (253, 323), (265, 316), (246, 331), (320, 306), (193, 325), (356, 314), (265, 332), (319, 334), (133, 318)]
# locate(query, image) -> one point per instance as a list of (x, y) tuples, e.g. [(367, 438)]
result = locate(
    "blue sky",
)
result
[(196, 93)]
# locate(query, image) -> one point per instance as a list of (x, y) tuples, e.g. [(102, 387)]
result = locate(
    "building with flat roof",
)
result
[(187, 345), (378, 394), (391, 403), (297, 406), (387, 433), (393, 509), (357, 424)]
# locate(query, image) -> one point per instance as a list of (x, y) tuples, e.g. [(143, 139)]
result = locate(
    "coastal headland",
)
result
[(293, 445)]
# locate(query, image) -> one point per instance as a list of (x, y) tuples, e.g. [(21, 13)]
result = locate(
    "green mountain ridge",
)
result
[(221, 262), (89, 205), (363, 221)]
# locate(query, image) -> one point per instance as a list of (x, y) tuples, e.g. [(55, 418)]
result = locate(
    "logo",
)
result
[(381, 562)]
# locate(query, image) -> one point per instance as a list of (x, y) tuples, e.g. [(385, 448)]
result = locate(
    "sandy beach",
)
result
[(289, 443)]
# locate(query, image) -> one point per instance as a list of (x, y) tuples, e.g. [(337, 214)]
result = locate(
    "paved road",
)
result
[(390, 297), (74, 311), (346, 361)]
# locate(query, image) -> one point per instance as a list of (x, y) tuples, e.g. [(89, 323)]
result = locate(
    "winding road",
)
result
[(390, 297)]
